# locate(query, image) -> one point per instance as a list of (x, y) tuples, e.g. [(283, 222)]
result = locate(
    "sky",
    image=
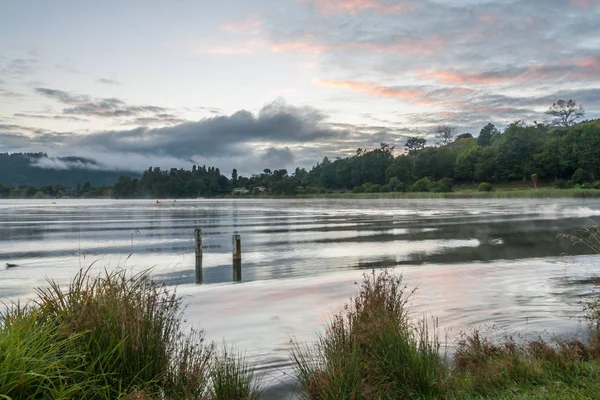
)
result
[(254, 84)]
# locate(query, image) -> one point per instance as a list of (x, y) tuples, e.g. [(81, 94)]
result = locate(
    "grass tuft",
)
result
[(112, 336), (372, 349), (232, 377)]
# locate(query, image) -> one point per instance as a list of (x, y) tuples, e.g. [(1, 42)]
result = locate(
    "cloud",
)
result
[(356, 6), (54, 117), (63, 96), (108, 81), (279, 135), (374, 89), (19, 67), (251, 25), (64, 164), (84, 105), (11, 95), (277, 158)]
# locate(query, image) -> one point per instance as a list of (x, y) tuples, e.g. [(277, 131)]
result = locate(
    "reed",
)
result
[(372, 349), (112, 336)]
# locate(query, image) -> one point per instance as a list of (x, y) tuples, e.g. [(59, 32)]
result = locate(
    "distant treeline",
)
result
[(563, 156), (37, 169)]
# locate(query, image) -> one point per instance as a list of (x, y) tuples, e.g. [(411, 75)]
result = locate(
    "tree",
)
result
[(565, 113), (445, 134), (485, 135), (234, 177), (414, 143), (401, 169), (464, 136), (516, 149)]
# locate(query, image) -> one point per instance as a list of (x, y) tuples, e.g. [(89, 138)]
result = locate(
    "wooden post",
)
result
[(237, 257), (198, 238)]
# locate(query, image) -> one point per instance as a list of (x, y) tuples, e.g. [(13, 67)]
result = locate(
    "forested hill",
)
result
[(37, 169), (566, 156)]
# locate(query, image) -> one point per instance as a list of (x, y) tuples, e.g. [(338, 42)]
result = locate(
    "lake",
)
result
[(476, 263)]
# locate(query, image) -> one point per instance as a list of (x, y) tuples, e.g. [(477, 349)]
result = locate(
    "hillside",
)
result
[(37, 169)]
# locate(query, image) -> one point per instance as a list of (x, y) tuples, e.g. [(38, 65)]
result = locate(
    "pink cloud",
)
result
[(301, 45), (487, 18), (593, 62), (457, 77), (251, 25), (356, 6), (378, 90), (582, 3), (404, 45)]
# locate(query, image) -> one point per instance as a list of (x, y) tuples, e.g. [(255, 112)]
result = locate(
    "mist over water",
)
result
[(475, 262)]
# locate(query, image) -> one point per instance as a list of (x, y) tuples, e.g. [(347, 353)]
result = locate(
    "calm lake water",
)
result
[(475, 262)]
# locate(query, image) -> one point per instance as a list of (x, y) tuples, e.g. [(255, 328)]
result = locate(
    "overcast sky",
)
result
[(259, 84)]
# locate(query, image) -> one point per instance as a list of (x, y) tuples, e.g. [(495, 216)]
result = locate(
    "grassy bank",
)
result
[(499, 193), (113, 337), (373, 350)]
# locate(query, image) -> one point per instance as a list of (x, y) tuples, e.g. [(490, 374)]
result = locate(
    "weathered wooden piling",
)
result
[(237, 257), (198, 239)]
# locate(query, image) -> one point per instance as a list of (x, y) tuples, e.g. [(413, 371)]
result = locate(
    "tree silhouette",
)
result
[(565, 113)]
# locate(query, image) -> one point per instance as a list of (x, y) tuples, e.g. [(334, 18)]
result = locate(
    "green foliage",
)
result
[(562, 184), (484, 187), (401, 169), (38, 362), (371, 188), (579, 176), (485, 135), (444, 185), (371, 350), (414, 144), (114, 336), (422, 185), (133, 328), (516, 149), (435, 163)]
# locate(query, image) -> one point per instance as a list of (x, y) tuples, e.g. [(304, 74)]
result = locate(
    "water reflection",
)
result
[(491, 262)]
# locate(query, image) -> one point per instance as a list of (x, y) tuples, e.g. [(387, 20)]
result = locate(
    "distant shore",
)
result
[(459, 194)]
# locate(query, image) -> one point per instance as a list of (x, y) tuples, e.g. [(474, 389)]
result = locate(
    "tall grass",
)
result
[(113, 336), (133, 330), (232, 376), (372, 349), (37, 362)]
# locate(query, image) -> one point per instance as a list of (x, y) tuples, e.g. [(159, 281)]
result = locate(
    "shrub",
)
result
[(386, 189), (444, 185), (401, 187), (372, 350), (562, 184), (422, 185), (579, 176), (371, 188), (358, 189), (484, 187)]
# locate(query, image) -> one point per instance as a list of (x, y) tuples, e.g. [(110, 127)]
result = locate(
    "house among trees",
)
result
[(240, 190)]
